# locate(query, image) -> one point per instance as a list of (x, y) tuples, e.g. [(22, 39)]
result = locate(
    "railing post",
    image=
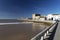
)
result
[(45, 35), (47, 32), (42, 38)]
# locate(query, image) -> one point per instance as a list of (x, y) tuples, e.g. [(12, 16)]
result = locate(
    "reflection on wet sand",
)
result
[(38, 27), (20, 31)]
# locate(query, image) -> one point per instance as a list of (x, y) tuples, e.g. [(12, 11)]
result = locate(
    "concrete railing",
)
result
[(43, 34)]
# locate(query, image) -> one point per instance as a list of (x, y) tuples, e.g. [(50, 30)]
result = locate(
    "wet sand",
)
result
[(20, 31)]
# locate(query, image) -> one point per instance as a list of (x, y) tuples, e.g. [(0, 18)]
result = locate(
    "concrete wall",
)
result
[(42, 19)]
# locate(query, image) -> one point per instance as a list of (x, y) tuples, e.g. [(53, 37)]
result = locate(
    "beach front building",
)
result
[(42, 18), (38, 17), (53, 17)]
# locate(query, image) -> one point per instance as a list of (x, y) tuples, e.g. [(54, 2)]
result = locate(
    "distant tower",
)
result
[(35, 16)]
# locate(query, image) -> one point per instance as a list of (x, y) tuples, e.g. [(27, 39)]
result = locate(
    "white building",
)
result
[(35, 16), (53, 17), (42, 18), (38, 17)]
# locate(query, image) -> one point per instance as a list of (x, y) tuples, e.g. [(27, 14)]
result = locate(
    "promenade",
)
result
[(57, 34)]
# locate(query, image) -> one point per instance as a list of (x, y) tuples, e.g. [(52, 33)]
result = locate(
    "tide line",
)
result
[(14, 23)]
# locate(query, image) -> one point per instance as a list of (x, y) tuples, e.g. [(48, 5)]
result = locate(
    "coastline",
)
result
[(15, 23)]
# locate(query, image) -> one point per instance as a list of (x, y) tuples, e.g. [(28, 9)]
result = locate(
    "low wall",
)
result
[(27, 20)]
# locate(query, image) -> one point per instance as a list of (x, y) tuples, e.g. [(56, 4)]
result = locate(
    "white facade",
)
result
[(38, 17), (53, 17), (42, 19), (34, 17)]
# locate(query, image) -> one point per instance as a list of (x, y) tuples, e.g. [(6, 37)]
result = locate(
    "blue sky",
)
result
[(25, 8)]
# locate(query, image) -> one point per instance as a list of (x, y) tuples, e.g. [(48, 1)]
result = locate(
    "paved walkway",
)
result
[(57, 34)]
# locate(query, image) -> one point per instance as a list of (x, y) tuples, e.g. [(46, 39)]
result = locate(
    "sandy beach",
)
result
[(19, 30)]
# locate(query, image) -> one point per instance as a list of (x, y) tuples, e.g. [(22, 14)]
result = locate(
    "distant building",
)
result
[(53, 17), (42, 18), (38, 17)]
